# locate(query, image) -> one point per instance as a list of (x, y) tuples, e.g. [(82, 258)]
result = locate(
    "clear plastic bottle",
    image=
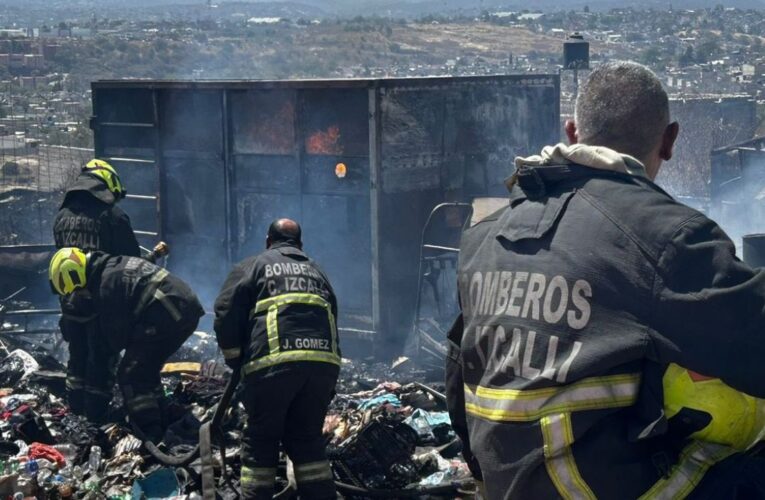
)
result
[(77, 474), (44, 477), (94, 460), (68, 450)]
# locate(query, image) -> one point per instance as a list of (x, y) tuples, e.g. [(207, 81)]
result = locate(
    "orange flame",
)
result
[(324, 142)]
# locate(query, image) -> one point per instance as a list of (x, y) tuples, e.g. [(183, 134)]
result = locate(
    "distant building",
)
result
[(706, 123), (18, 145)]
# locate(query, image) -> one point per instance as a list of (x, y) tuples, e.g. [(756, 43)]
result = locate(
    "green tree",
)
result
[(651, 56), (687, 58)]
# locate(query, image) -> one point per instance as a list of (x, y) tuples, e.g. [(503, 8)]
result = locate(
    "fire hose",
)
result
[(204, 450)]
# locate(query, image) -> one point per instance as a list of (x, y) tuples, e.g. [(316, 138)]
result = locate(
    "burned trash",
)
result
[(386, 436)]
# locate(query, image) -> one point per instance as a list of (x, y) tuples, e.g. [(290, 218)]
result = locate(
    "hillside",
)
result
[(327, 50)]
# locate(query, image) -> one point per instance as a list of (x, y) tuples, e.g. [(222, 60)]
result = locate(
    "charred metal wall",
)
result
[(210, 164)]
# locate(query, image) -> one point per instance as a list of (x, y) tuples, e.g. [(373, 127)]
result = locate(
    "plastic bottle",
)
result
[(44, 477), (94, 460), (77, 474), (68, 450), (31, 467)]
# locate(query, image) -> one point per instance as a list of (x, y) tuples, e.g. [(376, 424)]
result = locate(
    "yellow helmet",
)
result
[(737, 419), (67, 270), (106, 173)]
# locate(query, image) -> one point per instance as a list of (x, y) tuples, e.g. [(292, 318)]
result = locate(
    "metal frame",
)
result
[(376, 88), (375, 187), (425, 246)]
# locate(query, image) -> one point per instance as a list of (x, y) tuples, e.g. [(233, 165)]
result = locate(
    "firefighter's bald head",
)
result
[(284, 231)]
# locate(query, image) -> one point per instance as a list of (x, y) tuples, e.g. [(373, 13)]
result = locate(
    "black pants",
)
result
[(287, 404), (91, 369), (152, 343)]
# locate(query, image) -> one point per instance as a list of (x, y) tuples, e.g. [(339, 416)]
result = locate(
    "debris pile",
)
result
[(385, 437)]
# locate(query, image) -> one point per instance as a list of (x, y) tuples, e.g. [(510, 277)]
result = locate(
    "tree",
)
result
[(587, 9), (687, 58), (651, 56), (707, 51)]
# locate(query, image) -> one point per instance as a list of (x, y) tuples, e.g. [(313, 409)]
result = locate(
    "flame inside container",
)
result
[(324, 142)]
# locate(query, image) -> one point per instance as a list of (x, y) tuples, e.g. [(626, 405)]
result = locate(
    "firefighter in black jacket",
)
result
[(139, 307), (578, 296), (275, 321), (90, 220)]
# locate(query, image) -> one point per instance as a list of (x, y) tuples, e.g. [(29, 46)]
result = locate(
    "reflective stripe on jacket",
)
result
[(574, 299), (277, 307)]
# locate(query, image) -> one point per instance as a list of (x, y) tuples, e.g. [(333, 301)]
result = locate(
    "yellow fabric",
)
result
[(738, 420), (67, 270), (182, 367)]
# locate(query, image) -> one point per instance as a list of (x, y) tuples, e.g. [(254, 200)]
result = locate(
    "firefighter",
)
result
[(275, 321), (578, 296), (90, 220), (139, 308)]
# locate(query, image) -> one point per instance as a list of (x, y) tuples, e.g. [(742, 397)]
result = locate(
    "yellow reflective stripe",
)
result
[(168, 304), (314, 471), (559, 460), (332, 328), (258, 476), (695, 461), (232, 353), (290, 356), (272, 305), (595, 393), (290, 298), (272, 327)]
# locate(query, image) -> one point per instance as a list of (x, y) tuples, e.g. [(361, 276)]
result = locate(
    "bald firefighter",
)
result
[(585, 303), (89, 219), (275, 321), (137, 307)]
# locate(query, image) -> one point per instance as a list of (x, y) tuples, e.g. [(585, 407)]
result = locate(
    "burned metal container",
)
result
[(359, 163)]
